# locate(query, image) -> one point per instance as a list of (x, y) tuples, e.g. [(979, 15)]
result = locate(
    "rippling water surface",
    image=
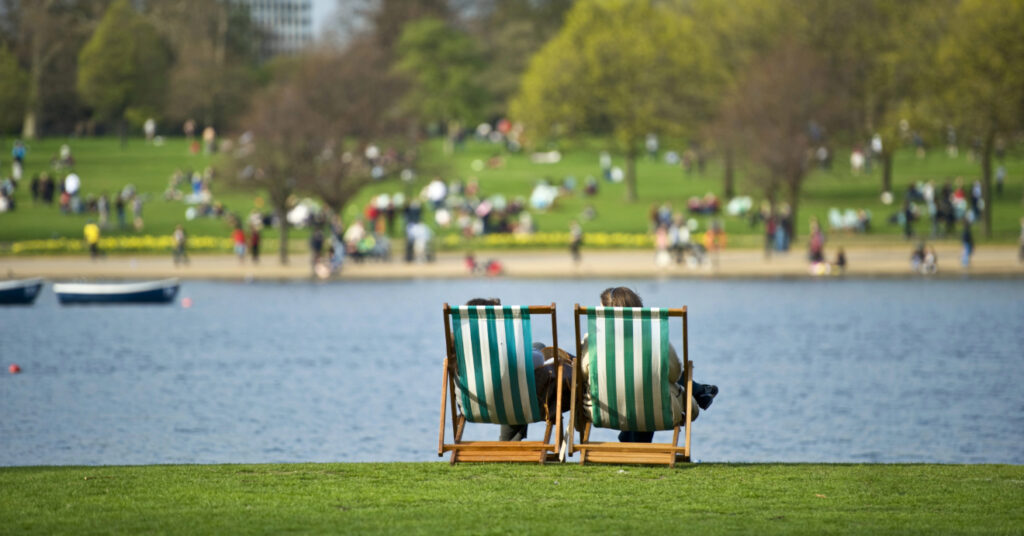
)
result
[(811, 371)]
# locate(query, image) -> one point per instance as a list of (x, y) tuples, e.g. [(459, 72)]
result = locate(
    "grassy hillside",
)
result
[(105, 167), (434, 498)]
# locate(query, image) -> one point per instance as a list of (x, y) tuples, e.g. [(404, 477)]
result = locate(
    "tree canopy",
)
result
[(444, 65), (982, 59), (620, 68), (123, 65)]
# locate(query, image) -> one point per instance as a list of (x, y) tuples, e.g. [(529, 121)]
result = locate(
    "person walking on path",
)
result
[(575, 241), (92, 239), (254, 241), (238, 238), (967, 239), (180, 240), (316, 246)]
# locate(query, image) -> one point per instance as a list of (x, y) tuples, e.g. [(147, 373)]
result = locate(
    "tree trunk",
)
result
[(794, 203), (986, 179), (887, 170), (29, 127), (730, 179), (631, 175), (282, 251)]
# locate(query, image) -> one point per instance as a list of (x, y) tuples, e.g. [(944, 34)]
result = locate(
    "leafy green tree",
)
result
[(509, 33), (623, 69), (982, 57), (122, 70), (881, 55), (13, 83), (444, 66)]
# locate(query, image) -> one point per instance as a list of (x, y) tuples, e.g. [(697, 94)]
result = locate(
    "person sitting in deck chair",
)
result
[(703, 394), (545, 376)]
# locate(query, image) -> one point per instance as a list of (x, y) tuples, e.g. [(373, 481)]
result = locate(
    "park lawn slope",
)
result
[(404, 498)]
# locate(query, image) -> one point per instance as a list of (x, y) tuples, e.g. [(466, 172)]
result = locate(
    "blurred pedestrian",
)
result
[(180, 240), (841, 260), (967, 239), (119, 208), (254, 240), (575, 240), (316, 246), (18, 164), (103, 208), (137, 212), (816, 243), (92, 238), (1020, 255), (238, 239)]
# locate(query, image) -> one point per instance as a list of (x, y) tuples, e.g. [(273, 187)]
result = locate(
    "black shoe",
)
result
[(704, 394)]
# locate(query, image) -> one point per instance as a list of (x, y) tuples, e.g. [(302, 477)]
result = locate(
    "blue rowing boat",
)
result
[(148, 292), (20, 291)]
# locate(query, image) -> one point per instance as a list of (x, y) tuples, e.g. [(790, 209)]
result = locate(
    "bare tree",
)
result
[(309, 129), (770, 116)]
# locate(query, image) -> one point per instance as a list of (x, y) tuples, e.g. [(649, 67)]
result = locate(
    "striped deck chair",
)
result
[(628, 385), (489, 378)]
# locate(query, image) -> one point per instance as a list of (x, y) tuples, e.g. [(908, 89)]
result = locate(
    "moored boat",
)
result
[(20, 291), (162, 291)]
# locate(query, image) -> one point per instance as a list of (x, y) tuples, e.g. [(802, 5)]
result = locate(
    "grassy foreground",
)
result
[(400, 498)]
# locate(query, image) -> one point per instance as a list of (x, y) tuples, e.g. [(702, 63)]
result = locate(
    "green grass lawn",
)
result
[(105, 167), (403, 498)]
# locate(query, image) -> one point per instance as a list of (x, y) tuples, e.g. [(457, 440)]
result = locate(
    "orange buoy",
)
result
[(14, 368)]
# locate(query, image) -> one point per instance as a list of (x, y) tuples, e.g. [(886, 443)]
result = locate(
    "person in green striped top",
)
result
[(545, 378), (703, 394)]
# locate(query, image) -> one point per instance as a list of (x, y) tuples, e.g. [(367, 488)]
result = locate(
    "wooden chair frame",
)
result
[(496, 451), (626, 453)]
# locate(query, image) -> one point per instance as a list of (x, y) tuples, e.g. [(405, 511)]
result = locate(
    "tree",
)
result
[(982, 57), (619, 68), (738, 32), (13, 83), (445, 68), (880, 53), (358, 102), (46, 35), (123, 67), (388, 18), (771, 109), (310, 127), (509, 33), (215, 53)]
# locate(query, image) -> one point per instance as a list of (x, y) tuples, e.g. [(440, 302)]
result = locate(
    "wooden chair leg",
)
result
[(444, 401), (459, 428)]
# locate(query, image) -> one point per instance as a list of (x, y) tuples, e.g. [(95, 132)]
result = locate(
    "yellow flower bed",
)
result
[(543, 240), (116, 244)]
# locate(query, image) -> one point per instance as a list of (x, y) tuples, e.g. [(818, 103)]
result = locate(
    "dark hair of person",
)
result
[(620, 297), (484, 301)]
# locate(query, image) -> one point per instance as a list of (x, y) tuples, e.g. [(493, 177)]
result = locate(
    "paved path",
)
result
[(988, 261)]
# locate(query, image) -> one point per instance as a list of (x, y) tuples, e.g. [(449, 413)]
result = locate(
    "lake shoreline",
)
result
[(891, 262)]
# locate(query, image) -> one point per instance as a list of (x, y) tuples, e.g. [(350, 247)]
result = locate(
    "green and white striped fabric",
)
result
[(629, 366), (494, 347)]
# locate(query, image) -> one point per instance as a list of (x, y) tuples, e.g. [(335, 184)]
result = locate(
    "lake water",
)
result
[(809, 371)]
